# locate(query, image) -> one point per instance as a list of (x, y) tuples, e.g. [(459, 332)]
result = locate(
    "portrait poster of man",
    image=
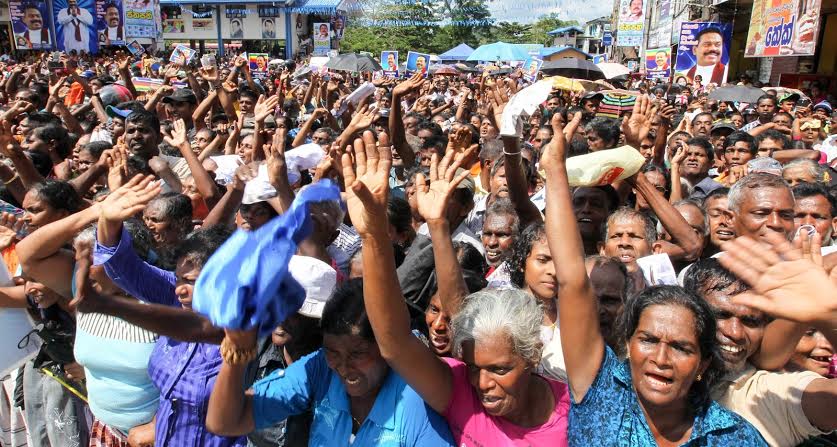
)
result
[(31, 25), (268, 29), (531, 68), (389, 62), (658, 63), (417, 62), (338, 26), (322, 38), (109, 22), (75, 26), (258, 63), (704, 52), (236, 29)]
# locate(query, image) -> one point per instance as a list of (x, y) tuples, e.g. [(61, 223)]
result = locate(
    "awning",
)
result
[(320, 7)]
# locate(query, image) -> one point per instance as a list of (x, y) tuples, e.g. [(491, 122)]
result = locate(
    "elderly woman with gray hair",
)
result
[(490, 394)]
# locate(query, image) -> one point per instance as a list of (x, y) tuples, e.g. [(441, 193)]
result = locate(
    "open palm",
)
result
[(130, 198), (433, 199), (366, 180)]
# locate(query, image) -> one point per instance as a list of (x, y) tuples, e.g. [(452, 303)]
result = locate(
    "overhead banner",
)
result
[(631, 23), (704, 52), (75, 28), (783, 28), (109, 26), (139, 19), (658, 63), (31, 25)]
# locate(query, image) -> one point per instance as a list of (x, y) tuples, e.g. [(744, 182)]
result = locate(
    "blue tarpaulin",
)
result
[(246, 284), (499, 51), (457, 53)]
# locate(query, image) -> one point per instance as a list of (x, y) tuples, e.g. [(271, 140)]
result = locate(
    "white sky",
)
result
[(527, 11)]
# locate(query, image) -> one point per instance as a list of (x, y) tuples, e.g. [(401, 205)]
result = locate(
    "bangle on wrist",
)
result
[(233, 355), (15, 177)]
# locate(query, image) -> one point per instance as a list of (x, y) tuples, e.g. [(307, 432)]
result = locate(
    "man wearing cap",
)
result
[(788, 102), (822, 110), (181, 104), (719, 133), (590, 105)]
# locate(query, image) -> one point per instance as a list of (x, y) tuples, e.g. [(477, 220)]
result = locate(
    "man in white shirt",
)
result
[(75, 22), (708, 52)]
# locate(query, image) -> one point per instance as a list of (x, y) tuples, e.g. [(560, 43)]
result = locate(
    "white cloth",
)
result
[(301, 158), (461, 234), (84, 20)]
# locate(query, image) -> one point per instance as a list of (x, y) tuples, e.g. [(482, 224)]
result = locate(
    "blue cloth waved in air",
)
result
[(246, 284)]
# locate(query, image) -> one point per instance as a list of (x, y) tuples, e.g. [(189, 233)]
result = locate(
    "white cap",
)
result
[(317, 278)]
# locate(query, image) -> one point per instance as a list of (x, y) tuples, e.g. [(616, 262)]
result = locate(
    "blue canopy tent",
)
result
[(499, 51), (457, 53)]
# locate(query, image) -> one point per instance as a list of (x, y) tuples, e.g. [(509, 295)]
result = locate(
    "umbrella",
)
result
[(499, 51), (353, 62), (612, 69), (444, 70), (563, 83), (740, 93), (573, 68), (276, 62), (616, 102)]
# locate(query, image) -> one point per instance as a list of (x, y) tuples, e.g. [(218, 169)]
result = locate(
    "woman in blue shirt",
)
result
[(659, 394), (357, 399)]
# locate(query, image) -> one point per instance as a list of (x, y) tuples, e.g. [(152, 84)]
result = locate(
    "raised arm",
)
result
[(581, 338), (685, 242), (433, 202), (396, 120), (367, 188), (203, 181)]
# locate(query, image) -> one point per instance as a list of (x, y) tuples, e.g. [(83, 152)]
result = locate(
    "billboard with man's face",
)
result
[(417, 62), (109, 26), (703, 54), (389, 62), (31, 25)]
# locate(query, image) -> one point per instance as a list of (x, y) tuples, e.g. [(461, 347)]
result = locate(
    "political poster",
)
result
[(658, 63), (75, 27), (139, 18), (258, 63), (322, 38), (268, 28), (531, 68), (136, 49), (182, 54), (703, 52), (109, 26), (31, 25), (338, 26), (783, 28), (417, 62), (389, 62), (203, 24), (599, 58), (631, 23)]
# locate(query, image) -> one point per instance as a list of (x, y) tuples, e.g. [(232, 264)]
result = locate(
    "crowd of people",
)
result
[(332, 258)]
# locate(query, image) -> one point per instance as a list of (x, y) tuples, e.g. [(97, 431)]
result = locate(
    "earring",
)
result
[(699, 376)]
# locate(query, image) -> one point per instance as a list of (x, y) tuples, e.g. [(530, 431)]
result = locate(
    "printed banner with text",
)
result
[(139, 19), (631, 23), (783, 28)]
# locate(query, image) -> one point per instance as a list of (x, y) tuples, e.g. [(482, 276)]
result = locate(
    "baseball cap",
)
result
[(593, 95), (181, 95), (723, 125), (113, 94), (790, 97), (319, 281), (113, 112), (823, 105)]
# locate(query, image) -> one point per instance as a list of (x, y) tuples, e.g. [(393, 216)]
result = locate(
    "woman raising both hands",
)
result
[(659, 394), (491, 396)]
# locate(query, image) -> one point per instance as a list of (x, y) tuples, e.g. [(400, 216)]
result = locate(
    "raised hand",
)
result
[(86, 298), (209, 74), (265, 107), (433, 198), (130, 199), (637, 127), (555, 154), (499, 99), (414, 82), (56, 88), (459, 140), (786, 284), (277, 169), (43, 296), (10, 228), (679, 156), (117, 160), (177, 136), (366, 180), (364, 117)]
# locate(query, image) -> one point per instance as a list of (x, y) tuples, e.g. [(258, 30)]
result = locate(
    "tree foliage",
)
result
[(435, 27)]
